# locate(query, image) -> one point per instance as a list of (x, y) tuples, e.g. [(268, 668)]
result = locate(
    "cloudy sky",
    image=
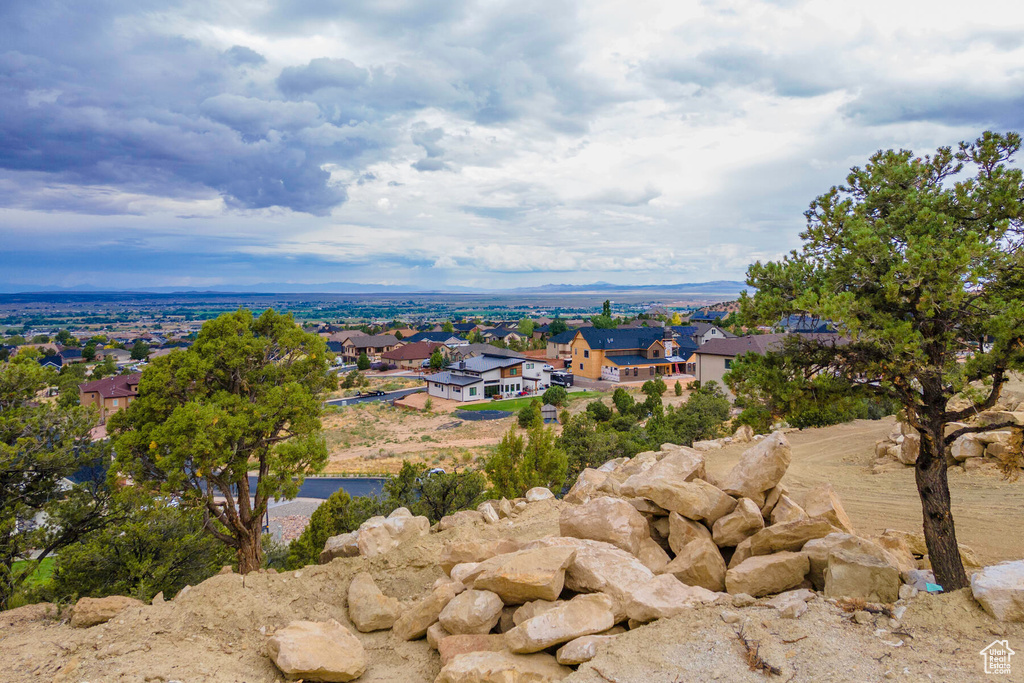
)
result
[(459, 142)]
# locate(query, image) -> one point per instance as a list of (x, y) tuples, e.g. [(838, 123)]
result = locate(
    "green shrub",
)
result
[(555, 396)]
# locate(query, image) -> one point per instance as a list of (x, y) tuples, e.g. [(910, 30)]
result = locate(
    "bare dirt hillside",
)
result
[(217, 631), (989, 511)]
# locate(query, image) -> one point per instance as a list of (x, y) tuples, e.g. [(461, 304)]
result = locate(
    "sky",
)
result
[(443, 143)]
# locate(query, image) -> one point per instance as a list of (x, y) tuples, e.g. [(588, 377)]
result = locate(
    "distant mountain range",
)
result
[(717, 287)]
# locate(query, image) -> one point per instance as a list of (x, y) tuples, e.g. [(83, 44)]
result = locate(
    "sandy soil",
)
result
[(988, 511), (376, 438)]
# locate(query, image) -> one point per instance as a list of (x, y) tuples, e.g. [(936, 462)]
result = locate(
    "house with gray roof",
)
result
[(489, 375)]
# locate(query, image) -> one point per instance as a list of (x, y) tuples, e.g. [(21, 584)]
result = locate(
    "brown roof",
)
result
[(420, 350), (373, 341), (114, 387), (758, 343)]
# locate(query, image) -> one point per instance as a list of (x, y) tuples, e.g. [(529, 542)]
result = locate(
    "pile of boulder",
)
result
[(991, 450), (644, 538)]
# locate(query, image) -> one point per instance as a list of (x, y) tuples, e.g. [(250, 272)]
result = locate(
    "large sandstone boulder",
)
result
[(343, 545), (853, 574), (601, 568), (413, 623), (471, 612), (582, 616), (1000, 590), (967, 446), (502, 667), (664, 597), (788, 536), (582, 649), (459, 552), (535, 574), (451, 647), (317, 651), (699, 564), (586, 486), (909, 448), (786, 510), (528, 610), (368, 608), (378, 535), (92, 611), (821, 502), (675, 467), (819, 549), (460, 518), (682, 531), (767, 574), (611, 520), (652, 555), (695, 499), (744, 521), (760, 467)]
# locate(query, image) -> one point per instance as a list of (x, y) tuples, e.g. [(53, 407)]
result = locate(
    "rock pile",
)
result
[(645, 538), (990, 450)]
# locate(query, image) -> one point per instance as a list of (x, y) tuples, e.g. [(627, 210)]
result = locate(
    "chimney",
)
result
[(462, 365), (668, 341)]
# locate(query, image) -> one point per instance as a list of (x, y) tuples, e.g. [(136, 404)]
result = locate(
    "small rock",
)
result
[(743, 600), (862, 616), (538, 493), (908, 592), (435, 634), (581, 649), (415, 620), (1000, 590), (730, 617), (744, 521), (699, 563)]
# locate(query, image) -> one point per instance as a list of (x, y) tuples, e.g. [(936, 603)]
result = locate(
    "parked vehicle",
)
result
[(562, 379)]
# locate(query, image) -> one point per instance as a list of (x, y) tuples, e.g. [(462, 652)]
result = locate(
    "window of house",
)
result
[(513, 372), (586, 354), (657, 354), (636, 371), (652, 370), (472, 391), (581, 366), (115, 402), (728, 363)]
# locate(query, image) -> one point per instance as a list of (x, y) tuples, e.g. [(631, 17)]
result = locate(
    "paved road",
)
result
[(323, 487), (389, 396)]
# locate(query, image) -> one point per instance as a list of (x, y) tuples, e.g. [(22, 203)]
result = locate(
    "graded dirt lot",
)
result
[(988, 511)]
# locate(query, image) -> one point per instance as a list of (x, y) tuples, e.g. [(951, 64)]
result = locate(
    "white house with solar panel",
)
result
[(486, 376)]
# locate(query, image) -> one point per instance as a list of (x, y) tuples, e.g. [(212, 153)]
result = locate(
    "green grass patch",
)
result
[(42, 574), (514, 404)]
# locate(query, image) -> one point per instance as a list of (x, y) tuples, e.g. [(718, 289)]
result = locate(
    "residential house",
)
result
[(341, 336), (715, 358), (503, 334), (708, 316), (54, 361), (120, 356), (464, 328), (109, 394), (560, 345), (489, 375), (412, 356), (70, 354), (372, 345), (406, 332), (805, 324), (702, 333), (447, 338), (625, 355), (465, 351)]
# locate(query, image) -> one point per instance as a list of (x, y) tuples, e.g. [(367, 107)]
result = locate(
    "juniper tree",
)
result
[(919, 262), (245, 398)]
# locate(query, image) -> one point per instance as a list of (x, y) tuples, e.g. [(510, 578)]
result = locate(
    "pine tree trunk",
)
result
[(939, 533), (250, 551)]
